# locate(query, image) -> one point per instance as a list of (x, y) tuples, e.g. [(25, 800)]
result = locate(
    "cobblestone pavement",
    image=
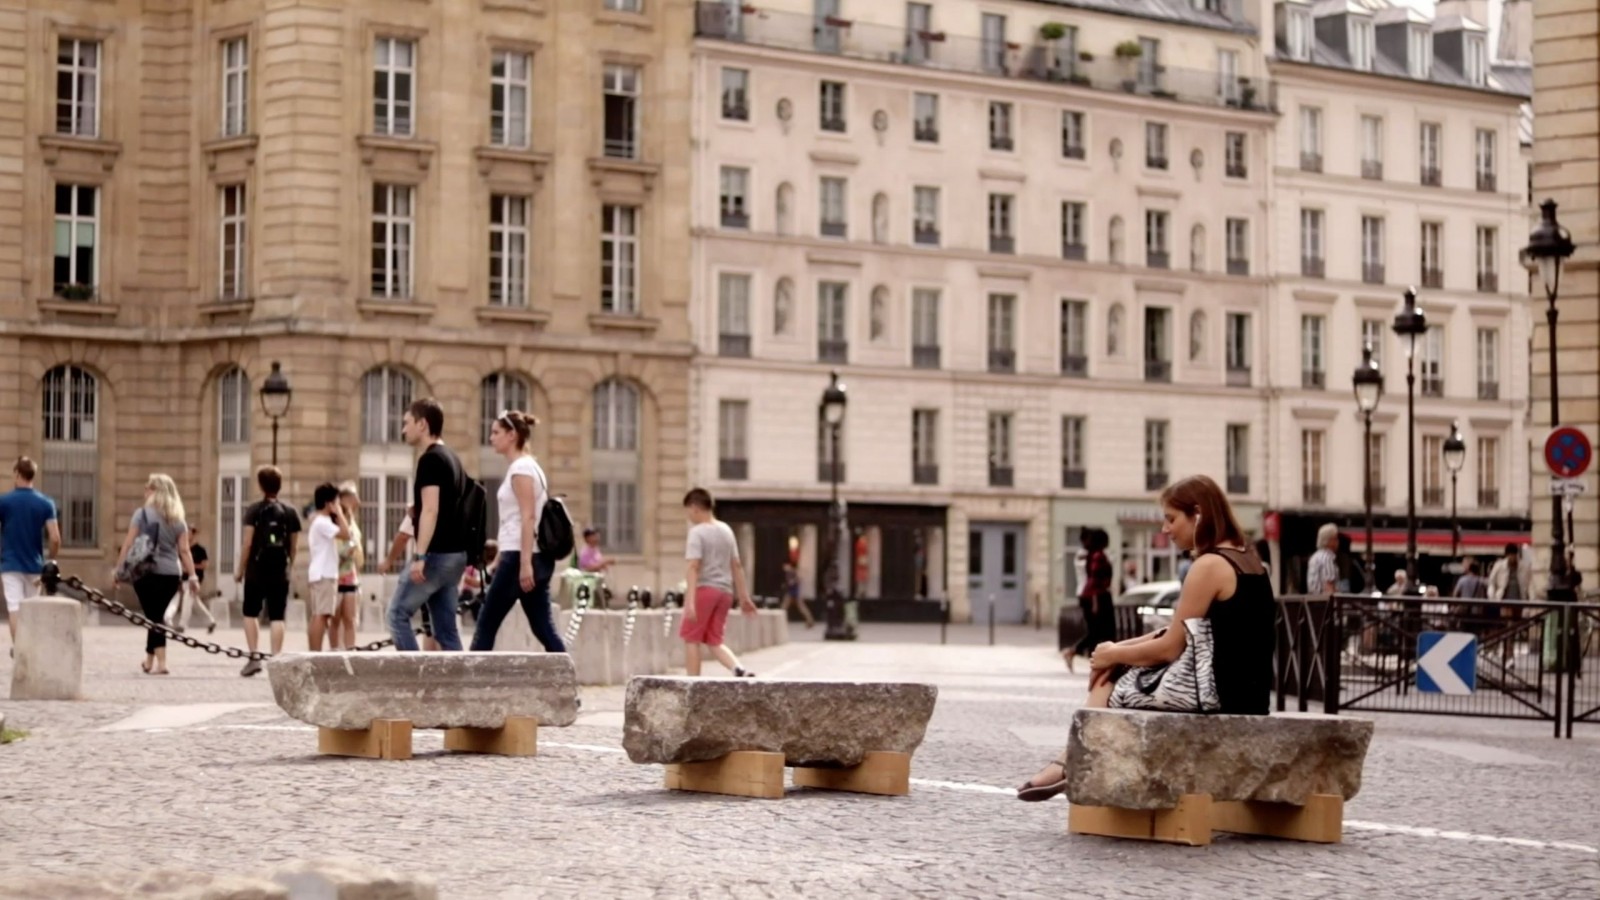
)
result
[(201, 770)]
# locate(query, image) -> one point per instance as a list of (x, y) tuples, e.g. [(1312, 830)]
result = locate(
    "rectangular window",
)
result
[(1237, 338), (1228, 85), (1313, 488), (1002, 332), (733, 202), (1484, 143), (619, 259), (736, 94), (1429, 153), (924, 446), (77, 241), (1002, 230), (1432, 466), (632, 6), (1000, 126), (833, 321), (1155, 145), (1237, 238), (233, 237), (1155, 455), (1074, 463), (1075, 338), (925, 216), (233, 492), (1074, 230), (1299, 32), (925, 117), (1361, 42), (394, 72), (925, 328), (733, 461), (1073, 139), (620, 93), (993, 29), (1157, 344), (1476, 65), (1237, 153), (1372, 255), (733, 314), (508, 250), (919, 28), (78, 88), (616, 513), (1488, 359), (835, 221), (1488, 251), (1432, 268), (1237, 458), (1373, 333), (1431, 370), (510, 98), (1156, 251), (1001, 473), (1311, 259), (1372, 148), (235, 87), (1419, 57), (1310, 139), (1488, 472), (1150, 67), (1313, 356), (393, 238), (831, 104), (1377, 452)]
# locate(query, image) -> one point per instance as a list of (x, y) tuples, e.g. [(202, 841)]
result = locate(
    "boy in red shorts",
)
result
[(715, 575)]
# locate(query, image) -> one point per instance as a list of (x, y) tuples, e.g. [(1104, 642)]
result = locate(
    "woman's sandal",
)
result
[(1036, 793)]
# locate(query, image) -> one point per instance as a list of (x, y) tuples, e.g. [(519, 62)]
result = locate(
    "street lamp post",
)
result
[(1409, 323), (830, 414), (1455, 456), (1368, 384), (275, 396)]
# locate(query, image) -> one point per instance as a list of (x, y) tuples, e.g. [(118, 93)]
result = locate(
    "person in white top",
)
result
[(522, 574), (327, 529)]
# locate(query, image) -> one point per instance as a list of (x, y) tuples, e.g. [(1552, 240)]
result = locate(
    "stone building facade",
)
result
[(480, 200)]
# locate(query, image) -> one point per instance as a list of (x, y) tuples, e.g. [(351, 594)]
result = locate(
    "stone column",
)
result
[(49, 663)]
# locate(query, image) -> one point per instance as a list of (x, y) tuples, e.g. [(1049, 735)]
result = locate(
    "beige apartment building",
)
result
[(1033, 240), (1399, 163), (1566, 168), (481, 200)]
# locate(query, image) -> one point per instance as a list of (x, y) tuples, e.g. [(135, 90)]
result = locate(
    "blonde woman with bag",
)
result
[(160, 564)]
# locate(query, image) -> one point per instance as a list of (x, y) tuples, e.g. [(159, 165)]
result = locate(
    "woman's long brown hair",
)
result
[(1199, 495)]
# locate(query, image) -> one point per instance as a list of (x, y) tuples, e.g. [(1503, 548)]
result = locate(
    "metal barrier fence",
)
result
[(1530, 660)]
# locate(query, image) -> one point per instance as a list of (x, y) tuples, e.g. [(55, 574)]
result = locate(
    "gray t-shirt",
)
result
[(167, 546), (713, 544)]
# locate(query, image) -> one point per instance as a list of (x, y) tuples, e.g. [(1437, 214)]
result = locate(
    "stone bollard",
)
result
[(49, 663)]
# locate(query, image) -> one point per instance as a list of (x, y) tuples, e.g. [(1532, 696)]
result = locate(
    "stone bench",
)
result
[(366, 704), (1178, 778), (735, 736)]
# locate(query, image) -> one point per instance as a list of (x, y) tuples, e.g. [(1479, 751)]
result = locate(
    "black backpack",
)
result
[(269, 549), (555, 527), (474, 509)]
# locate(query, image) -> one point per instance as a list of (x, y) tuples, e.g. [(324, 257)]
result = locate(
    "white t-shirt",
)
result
[(324, 550), (510, 537)]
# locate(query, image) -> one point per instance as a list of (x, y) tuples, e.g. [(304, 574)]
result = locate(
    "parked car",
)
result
[(1146, 608)]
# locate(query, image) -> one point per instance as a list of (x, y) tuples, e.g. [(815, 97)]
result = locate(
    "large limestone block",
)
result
[(1147, 760), (49, 650), (812, 723), (431, 690)]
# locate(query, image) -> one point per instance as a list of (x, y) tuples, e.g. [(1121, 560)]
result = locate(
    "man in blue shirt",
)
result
[(25, 516)]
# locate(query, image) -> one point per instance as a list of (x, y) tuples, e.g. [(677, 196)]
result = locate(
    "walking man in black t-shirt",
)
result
[(439, 551), (269, 541)]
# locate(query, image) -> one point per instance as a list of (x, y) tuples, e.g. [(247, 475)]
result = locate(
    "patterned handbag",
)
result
[(1188, 684)]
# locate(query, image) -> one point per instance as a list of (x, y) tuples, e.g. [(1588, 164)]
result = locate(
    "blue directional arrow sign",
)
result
[(1447, 662)]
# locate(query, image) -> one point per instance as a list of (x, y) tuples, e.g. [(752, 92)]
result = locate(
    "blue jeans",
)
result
[(440, 588), (505, 591)]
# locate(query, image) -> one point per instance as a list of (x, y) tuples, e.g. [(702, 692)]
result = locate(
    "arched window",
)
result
[(501, 391), (615, 462), (783, 308), (1114, 240), (880, 218), (785, 208), (385, 397), (70, 400), (233, 407), (1197, 336), (878, 314), (1114, 330), (1197, 248)]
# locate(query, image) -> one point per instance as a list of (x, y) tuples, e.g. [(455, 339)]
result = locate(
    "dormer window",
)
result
[(1361, 42), (1419, 58), (1475, 63), (1299, 32)]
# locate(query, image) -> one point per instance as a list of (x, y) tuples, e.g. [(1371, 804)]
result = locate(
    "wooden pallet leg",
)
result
[(880, 772), (518, 737), (1188, 823), (383, 739), (742, 773), (1320, 821)]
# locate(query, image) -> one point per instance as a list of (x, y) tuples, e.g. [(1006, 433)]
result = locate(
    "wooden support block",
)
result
[(1320, 821), (880, 772), (518, 737), (742, 773), (1188, 823), (384, 739)]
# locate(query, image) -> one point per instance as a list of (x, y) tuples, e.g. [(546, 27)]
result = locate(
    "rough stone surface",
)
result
[(431, 690), (676, 720), (49, 650), (351, 880), (1147, 760)]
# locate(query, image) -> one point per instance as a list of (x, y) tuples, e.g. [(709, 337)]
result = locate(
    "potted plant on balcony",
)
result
[(1052, 31), (836, 22), (1128, 53), (1247, 94), (748, 9), (1129, 50), (76, 292)]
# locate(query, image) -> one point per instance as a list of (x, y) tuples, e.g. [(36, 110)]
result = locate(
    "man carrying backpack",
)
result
[(269, 538), (439, 551)]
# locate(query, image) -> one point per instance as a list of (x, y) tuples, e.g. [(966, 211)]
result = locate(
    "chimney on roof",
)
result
[(1516, 32)]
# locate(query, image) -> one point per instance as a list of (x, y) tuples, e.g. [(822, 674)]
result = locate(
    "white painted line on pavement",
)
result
[(959, 786), (592, 748), (1420, 831)]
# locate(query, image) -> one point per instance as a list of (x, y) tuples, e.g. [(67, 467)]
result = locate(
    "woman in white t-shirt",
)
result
[(521, 575)]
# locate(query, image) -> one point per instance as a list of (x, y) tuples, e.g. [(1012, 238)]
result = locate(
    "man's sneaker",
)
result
[(250, 668)]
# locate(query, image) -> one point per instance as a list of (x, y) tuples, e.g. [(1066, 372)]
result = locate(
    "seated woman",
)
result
[(1227, 585)]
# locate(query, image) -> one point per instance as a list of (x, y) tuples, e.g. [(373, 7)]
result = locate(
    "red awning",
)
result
[(1391, 540)]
